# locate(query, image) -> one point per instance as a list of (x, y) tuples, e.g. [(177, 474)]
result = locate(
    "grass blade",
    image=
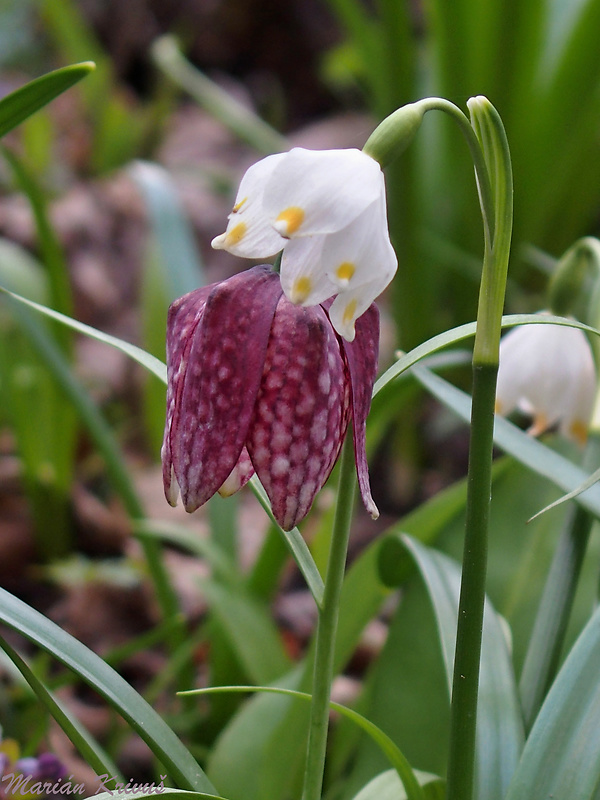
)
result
[(391, 750), (22, 103), (500, 733), (147, 361), (109, 684), (88, 747), (562, 754), (529, 451)]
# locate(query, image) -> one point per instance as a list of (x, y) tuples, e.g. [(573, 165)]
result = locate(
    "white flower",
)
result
[(548, 371), (326, 210)]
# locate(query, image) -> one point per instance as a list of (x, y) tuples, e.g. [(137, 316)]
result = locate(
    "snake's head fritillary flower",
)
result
[(258, 384), (326, 211), (548, 371)]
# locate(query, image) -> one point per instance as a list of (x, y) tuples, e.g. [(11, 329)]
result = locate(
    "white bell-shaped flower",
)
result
[(326, 210), (548, 372)]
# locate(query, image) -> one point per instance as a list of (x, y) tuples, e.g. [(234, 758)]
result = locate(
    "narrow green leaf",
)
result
[(425, 523), (462, 332), (151, 363), (110, 685), (594, 478), (182, 269), (88, 747), (500, 733), (562, 756), (296, 545), (21, 272), (51, 251), (219, 103), (191, 541), (22, 103), (59, 368), (391, 750), (264, 738), (529, 451), (252, 633)]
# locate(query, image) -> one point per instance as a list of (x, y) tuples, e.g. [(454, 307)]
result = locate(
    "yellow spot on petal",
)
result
[(578, 430), (290, 219), (349, 312), (301, 288), (345, 271), (236, 234), (237, 206), (497, 407)]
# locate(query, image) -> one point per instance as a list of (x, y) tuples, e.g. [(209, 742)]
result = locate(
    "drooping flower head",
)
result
[(326, 211), (548, 371), (256, 383)]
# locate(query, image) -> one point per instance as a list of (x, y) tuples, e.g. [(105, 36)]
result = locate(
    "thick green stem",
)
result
[(472, 593), (547, 638), (488, 145), (327, 627)]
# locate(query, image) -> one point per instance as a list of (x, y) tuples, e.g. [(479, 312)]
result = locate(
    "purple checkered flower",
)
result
[(258, 384)]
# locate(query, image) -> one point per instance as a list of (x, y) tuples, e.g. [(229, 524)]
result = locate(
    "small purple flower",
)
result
[(256, 383), (46, 767)]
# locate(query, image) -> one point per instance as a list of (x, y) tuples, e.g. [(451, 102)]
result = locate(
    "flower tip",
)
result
[(218, 243), (172, 490)]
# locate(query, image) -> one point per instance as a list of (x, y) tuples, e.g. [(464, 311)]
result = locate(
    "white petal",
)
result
[(249, 233), (361, 252), (348, 306), (357, 261), (321, 191), (303, 279)]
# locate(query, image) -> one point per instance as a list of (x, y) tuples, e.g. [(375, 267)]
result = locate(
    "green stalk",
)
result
[(465, 688), (487, 142), (220, 104), (465, 685), (327, 627), (548, 635)]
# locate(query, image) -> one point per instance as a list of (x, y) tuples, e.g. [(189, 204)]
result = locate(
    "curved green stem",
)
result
[(327, 627), (395, 132), (463, 720)]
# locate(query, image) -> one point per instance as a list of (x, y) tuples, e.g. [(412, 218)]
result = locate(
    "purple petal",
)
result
[(182, 320), (302, 410), (361, 357), (222, 372)]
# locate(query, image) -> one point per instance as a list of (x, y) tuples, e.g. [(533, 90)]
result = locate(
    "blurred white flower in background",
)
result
[(548, 372)]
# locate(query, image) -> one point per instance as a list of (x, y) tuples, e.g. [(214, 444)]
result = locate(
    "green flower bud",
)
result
[(395, 133), (570, 283)]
